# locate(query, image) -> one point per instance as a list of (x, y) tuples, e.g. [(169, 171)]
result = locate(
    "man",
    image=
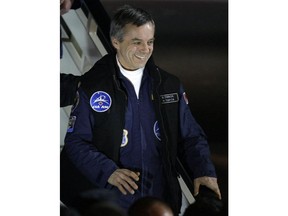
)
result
[(130, 123)]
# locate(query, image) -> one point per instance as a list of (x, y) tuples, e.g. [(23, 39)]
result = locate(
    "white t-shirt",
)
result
[(134, 77)]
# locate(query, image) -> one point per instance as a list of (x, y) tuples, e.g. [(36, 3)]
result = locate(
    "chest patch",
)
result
[(157, 130), (169, 98), (124, 138), (100, 101)]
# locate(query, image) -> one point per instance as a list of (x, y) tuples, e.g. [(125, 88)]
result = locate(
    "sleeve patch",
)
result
[(71, 124)]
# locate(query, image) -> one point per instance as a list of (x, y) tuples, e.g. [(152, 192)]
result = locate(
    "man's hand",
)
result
[(209, 182), (65, 6), (124, 180)]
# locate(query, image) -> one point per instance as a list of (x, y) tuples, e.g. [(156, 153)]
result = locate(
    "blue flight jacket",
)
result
[(141, 146)]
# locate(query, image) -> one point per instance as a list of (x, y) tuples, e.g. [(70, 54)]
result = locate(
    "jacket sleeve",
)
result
[(68, 88), (194, 146), (77, 4), (95, 166)]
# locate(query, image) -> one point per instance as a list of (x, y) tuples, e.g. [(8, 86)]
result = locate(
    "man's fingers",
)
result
[(128, 187), (124, 180), (131, 177), (213, 185), (122, 190), (131, 174), (196, 188), (210, 182), (217, 191)]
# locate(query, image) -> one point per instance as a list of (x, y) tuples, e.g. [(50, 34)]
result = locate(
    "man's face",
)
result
[(137, 46)]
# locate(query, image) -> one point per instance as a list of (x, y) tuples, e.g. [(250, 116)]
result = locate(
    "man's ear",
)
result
[(115, 43)]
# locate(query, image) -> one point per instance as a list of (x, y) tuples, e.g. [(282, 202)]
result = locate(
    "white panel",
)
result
[(185, 204), (188, 195), (67, 65), (87, 49)]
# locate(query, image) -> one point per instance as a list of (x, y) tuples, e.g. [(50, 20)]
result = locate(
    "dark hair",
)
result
[(146, 206), (125, 15), (207, 203), (104, 208)]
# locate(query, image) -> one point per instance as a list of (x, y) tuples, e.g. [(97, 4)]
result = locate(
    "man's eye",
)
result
[(137, 42), (150, 43)]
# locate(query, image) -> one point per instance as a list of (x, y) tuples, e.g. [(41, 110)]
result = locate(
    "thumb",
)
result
[(196, 188)]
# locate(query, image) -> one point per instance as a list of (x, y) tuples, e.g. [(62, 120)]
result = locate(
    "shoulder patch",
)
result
[(185, 98), (71, 124)]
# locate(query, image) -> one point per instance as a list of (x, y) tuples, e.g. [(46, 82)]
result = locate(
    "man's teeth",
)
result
[(141, 57)]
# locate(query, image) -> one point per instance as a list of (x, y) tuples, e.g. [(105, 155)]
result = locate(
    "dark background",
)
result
[(192, 43)]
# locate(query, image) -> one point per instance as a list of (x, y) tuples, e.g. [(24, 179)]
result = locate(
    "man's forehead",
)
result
[(148, 26), (139, 39), (134, 32)]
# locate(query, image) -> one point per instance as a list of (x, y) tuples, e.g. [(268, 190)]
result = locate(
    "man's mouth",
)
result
[(140, 57)]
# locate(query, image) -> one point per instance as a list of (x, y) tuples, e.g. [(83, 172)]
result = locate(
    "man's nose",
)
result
[(145, 48)]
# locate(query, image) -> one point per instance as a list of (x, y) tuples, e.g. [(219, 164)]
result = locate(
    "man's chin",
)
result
[(141, 64)]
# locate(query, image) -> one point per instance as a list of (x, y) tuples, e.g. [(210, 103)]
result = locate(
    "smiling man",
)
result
[(135, 46), (130, 143)]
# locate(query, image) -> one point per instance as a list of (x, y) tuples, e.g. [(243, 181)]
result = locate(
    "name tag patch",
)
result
[(169, 98)]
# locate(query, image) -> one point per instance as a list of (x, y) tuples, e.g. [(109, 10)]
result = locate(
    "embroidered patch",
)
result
[(124, 138), (76, 102), (185, 98), (100, 101), (169, 98), (71, 124), (157, 130)]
